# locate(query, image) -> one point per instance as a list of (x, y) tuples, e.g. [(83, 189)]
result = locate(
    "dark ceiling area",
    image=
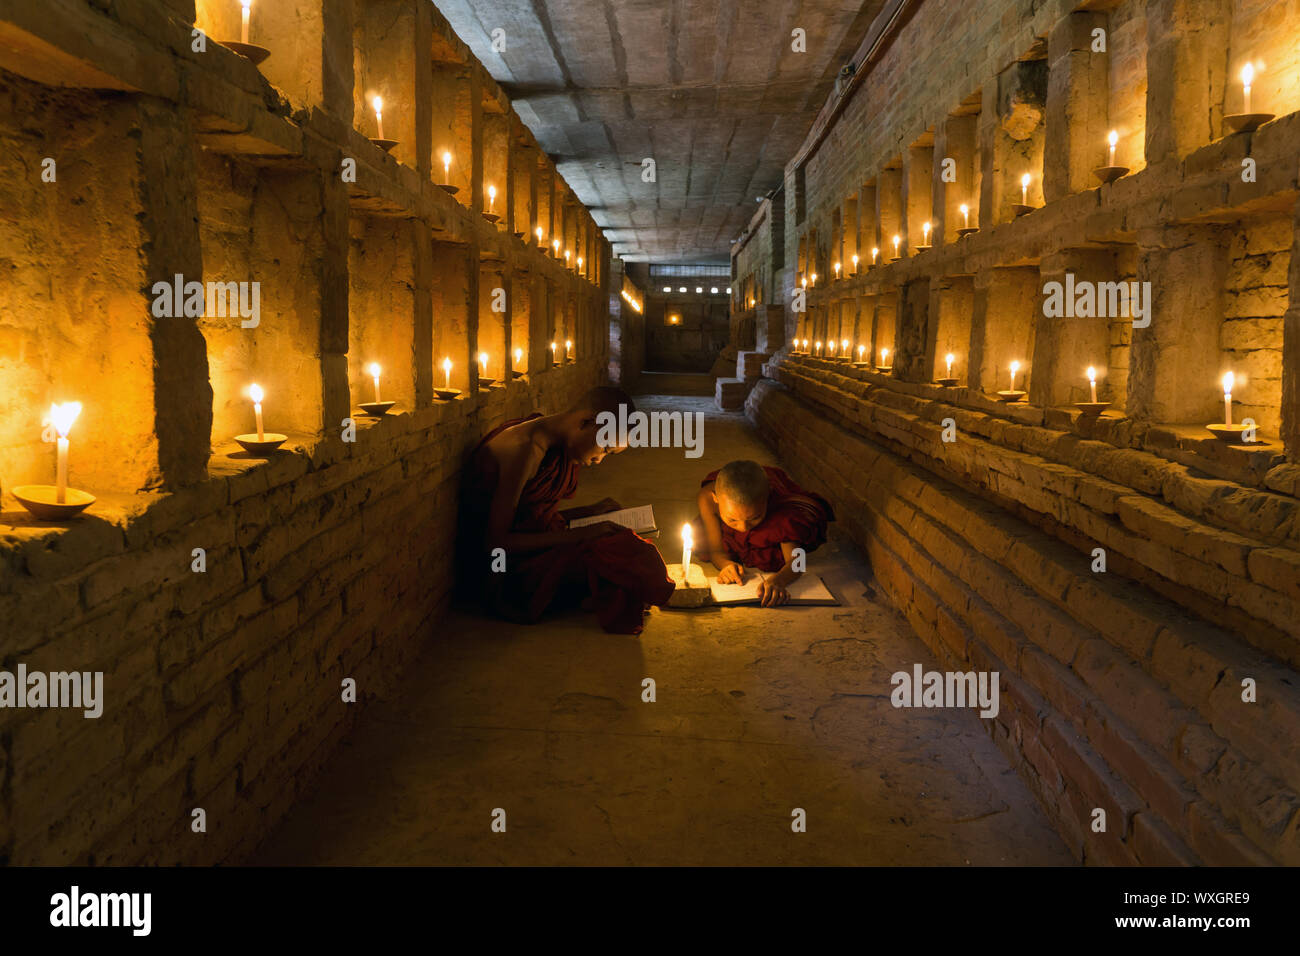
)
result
[(711, 90)]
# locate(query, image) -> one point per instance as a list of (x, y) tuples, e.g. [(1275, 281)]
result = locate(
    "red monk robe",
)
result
[(793, 515), (621, 571)]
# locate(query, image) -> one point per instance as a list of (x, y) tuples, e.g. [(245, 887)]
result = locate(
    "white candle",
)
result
[(1228, 380), (804, 283), (256, 394), (896, 241), (568, 349), (553, 346), (555, 244), (837, 270), (1247, 77), (813, 278), (492, 198), (446, 167), (378, 104), (62, 417), (884, 358), (862, 351), (1114, 139), (1015, 367), (568, 253), (925, 232), (948, 359), (482, 360), (817, 348), (373, 369), (965, 216), (243, 33), (446, 370), (1092, 383), (539, 235), (687, 543), (874, 252), (1024, 190), (580, 269), (519, 356)]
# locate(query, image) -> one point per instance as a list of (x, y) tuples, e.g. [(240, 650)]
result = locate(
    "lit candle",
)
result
[(378, 103), (492, 198), (1228, 379), (446, 167), (539, 235), (687, 543), (243, 33), (884, 358), (519, 356), (1092, 383), (844, 347), (948, 359), (965, 216), (1015, 367), (373, 369), (568, 349), (1024, 192), (555, 244), (482, 360), (553, 347), (862, 351), (446, 370), (1247, 77), (62, 417), (813, 278), (804, 283), (896, 242), (874, 252), (1114, 139), (925, 232), (837, 270), (817, 348), (855, 265), (255, 393), (580, 266), (567, 253)]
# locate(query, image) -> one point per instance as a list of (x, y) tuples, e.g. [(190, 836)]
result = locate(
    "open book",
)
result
[(641, 520), (806, 589)]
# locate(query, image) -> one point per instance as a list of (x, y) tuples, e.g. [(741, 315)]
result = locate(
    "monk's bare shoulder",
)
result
[(517, 450)]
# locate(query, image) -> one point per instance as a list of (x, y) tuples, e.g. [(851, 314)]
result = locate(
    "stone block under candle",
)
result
[(691, 592)]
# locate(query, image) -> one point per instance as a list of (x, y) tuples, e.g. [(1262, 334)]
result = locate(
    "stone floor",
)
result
[(758, 712)]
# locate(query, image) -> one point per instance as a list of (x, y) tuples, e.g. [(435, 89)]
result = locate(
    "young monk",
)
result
[(516, 478), (756, 516)]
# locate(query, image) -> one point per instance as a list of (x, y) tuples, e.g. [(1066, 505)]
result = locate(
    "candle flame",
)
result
[(568, 344), (519, 354), (482, 357), (1248, 74), (539, 233), (844, 344), (1092, 374), (556, 244), (446, 365), (948, 358), (62, 416), (964, 209), (874, 252), (687, 536), (446, 159), (1015, 367), (378, 103), (1113, 138), (256, 394), (1228, 381), (884, 354), (246, 3), (896, 240), (492, 192), (1024, 180), (925, 227), (837, 267), (373, 369), (855, 260)]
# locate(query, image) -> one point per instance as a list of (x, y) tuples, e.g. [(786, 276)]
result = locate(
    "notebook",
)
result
[(641, 520), (808, 589)]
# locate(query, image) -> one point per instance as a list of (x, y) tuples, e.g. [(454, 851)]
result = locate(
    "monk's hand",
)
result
[(770, 594), (732, 572)]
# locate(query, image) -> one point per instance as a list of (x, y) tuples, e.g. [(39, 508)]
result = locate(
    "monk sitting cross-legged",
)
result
[(517, 477), (757, 516)]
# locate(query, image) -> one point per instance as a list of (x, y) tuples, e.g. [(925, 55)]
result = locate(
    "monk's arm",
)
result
[(516, 467), (712, 526), (787, 575)]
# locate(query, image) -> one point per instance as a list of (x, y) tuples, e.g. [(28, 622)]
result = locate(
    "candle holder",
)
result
[(884, 369), (249, 51), (967, 231), (922, 248), (862, 365), (946, 382), (1233, 434), (1011, 395), (42, 501), (692, 590), (377, 409), (261, 447), (446, 394), (894, 258), (448, 187), (1091, 409), (484, 382), (1108, 174), (1020, 209), (491, 217), (385, 144), (1246, 122), (519, 235)]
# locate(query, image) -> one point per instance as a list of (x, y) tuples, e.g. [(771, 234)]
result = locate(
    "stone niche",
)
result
[(389, 313)]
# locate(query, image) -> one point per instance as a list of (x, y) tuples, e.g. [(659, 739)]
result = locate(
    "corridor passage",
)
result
[(758, 712)]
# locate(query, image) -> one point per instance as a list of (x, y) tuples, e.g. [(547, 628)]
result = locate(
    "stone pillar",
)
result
[(913, 332), (1187, 50), (313, 51), (1175, 361), (1075, 142)]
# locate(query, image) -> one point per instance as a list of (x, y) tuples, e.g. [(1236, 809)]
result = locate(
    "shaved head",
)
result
[(743, 483), (604, 398)]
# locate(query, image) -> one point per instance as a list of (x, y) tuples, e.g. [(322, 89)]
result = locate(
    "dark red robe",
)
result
[(622, 572), (793, 514)]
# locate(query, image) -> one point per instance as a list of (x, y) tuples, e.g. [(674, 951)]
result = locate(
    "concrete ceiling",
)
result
[(710, 89)]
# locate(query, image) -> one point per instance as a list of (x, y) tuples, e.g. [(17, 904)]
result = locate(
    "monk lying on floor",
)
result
[(755, 516), (516, 478)]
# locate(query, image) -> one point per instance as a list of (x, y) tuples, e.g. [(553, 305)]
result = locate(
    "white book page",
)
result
[(808, 587), (638, 519)]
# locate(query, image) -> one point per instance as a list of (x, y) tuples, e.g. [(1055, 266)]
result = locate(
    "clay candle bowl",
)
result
[(1010, 395), (385, 144), (1108, 174), (377, 408), (251, 52), (968, 231), (1246, 122), (946, 382), (1091, 409), (884, 369), (449, 188), (42, 501), (446, 394), (485, 382), (491, 217), (1236, 434), (262, 447), (1020, 209)]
